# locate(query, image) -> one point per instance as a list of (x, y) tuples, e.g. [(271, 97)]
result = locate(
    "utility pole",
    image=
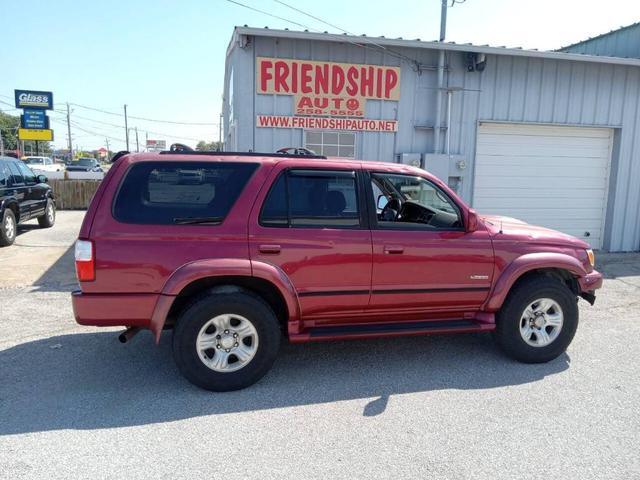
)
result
[(69, 132), (1, 144), (126, 126), (146, 141), (108, 154), (220, 132), (438, 120), (137, 143)]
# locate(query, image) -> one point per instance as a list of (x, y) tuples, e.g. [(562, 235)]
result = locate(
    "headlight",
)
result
[(592, 257)]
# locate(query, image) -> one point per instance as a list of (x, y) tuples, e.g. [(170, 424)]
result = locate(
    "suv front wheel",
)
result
[(226, 341), (538, 320)]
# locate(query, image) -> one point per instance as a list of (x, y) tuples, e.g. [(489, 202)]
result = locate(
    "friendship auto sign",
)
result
[(327, 89), (34, 99)]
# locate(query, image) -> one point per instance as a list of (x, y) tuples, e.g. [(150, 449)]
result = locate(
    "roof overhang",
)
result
[(447, 46)]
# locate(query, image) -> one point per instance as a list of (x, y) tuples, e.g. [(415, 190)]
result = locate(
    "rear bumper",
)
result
[(109, 310)]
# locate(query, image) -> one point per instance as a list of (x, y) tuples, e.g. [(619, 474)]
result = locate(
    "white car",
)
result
[(43, 164)]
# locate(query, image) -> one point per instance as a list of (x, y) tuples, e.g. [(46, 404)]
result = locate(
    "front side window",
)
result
[(180, 193), (15, 175), (27, 174), (407, 200), (312, 199)]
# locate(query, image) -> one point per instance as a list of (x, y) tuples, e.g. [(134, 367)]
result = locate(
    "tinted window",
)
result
[(312, 199), (4, 175), (16, 176), (165, 193), (27, 173)]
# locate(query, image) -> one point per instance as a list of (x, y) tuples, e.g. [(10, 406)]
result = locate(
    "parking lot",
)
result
[(72, 399)]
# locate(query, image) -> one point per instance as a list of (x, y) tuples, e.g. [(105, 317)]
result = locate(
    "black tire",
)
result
[(49, 218), (508, 319), (8, 233), (204, 308)]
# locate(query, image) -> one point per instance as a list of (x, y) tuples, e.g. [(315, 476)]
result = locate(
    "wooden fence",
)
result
[(73, 194)]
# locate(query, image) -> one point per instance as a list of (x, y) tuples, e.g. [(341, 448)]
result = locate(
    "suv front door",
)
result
[(310, 225), (423, 258), (35, 193), (18, 189)]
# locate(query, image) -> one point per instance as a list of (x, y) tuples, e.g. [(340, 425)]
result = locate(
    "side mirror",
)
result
[(472, 220), (382, 202), (42, 179)]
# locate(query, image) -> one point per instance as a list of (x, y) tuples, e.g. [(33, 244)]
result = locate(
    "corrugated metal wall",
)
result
[(510, 89), (620, 43)]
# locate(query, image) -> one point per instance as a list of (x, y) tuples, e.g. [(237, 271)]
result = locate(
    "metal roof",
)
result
[(602, 35), (417, 43)]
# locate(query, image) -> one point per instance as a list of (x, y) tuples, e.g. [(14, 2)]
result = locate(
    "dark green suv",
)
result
[(23, 196)]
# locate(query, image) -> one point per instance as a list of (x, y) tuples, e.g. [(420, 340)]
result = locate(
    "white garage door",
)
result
[(545, 175)]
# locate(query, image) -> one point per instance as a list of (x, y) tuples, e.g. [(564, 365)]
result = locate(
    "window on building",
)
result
[(331, 144), (164, 193), (312, 199)]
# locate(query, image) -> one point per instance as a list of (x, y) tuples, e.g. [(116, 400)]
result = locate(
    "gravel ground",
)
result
[(74, 403)]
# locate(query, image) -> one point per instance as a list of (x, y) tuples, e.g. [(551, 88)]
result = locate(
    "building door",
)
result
[(553, 176)]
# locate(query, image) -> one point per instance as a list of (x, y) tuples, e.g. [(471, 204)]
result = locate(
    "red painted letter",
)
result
[(265, 74)]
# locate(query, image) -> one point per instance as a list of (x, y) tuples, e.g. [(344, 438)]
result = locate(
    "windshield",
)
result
[(85, 162), (34, 161)]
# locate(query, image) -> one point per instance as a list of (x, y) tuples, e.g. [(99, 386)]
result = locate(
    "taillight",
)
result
[(85, 261)]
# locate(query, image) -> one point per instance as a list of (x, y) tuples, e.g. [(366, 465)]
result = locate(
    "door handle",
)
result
[(272, 249), (393, 249)]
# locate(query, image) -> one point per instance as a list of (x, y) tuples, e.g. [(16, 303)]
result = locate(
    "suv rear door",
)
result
[(310, 224)]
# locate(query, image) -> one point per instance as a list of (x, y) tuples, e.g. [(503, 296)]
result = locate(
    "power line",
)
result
[(269, 14), (360, 44), (142, 118)]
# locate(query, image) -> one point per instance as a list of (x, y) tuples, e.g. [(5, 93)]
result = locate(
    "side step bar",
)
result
[(391, 329)]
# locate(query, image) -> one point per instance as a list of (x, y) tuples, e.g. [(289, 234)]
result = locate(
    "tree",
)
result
[(9, 125), (203, 146)]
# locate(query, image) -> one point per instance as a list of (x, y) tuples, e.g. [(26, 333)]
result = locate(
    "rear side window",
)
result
[(4, 175), (166, 193), (312, 199)]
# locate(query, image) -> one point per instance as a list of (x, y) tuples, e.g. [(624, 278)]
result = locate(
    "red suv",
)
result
[(233, 250)]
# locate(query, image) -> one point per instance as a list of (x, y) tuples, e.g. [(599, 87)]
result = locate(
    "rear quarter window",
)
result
[(167, 193)]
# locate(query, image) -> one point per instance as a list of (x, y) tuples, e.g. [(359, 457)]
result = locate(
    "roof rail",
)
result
[(244, 154)]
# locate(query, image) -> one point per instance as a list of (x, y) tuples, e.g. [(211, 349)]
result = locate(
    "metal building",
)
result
[(552, 138), (624, 42)]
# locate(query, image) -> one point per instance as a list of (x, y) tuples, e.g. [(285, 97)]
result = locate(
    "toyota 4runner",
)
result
[(233, 250)]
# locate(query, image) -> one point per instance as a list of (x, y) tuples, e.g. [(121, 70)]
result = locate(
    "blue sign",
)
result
[(34, 99), (34, 119)]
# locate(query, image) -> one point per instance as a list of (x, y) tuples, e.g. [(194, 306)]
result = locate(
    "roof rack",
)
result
[(244, 154)]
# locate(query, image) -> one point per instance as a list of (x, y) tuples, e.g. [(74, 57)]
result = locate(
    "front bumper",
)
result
[(589, 284)]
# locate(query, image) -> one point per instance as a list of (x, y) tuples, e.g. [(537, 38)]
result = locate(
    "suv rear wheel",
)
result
[(49, 218), (8, 228), (538, 320), (226, 341)]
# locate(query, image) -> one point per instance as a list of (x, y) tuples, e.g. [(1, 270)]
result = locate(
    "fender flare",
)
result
[(223, 267), (525, 263)]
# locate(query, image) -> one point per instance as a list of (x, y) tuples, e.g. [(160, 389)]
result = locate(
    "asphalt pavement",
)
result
[(74, 403)]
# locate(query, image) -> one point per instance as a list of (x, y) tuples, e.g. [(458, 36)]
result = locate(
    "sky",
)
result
[(165, 59)]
